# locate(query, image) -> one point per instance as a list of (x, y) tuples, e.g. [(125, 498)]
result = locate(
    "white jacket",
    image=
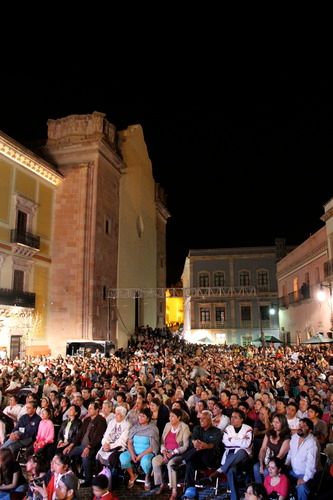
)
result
[(241, 440), (115, 435)]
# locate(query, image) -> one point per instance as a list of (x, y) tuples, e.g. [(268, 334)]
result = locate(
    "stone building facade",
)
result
[(229, 294), (106, 229), (28, 187), (301, 275)]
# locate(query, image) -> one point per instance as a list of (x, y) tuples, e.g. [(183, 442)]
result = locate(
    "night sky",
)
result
[(243, 149)]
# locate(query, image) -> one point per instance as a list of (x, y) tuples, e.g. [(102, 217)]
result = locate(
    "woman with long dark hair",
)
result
[(11, 477), (275, 444), (276, 482)]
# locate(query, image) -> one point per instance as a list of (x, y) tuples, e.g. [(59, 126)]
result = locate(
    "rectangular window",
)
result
[(220, 314), (246, 313), (107, 226), (18, 284), (247, 340), (203, 280), (264, 313), (204, 315), (21, 222), (244, 278), (262, 278), (219, 279)]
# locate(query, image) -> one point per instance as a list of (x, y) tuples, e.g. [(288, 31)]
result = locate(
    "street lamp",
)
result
[(321, 296)]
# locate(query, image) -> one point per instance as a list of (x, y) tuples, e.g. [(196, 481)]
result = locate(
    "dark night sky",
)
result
[(254, 140)]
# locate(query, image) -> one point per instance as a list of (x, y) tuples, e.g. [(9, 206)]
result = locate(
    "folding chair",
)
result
[(203, 480)]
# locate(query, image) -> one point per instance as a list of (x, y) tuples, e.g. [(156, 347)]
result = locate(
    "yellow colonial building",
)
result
[(27, 186), (87, 218)]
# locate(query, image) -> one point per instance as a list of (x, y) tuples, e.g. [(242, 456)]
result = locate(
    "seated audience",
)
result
[(276, 482), (237, 439), (303, 456), (11, 477), (143, 444), (175, 441), (115, 439), (275, 444)]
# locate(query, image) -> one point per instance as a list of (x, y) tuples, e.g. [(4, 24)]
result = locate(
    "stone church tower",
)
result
[(109, 230)]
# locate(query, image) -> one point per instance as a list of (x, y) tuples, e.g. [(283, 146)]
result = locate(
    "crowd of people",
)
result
[(164, 409)]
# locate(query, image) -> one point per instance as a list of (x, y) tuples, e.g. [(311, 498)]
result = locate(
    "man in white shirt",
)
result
[(304, 458), (292, 420), (8, 417)]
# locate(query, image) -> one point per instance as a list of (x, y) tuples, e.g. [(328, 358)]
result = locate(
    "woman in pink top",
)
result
[(175, 441), (276, 482), (45, 433)]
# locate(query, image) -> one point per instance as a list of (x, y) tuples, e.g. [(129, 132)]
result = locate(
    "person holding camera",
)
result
[(36, 468), (44, 488)]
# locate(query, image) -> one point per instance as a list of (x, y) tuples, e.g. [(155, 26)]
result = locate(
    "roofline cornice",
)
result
[(17, 153)]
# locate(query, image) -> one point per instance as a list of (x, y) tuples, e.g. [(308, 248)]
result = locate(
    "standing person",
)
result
[(303, 456)]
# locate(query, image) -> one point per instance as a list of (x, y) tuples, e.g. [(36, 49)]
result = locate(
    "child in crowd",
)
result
[(100, 488)]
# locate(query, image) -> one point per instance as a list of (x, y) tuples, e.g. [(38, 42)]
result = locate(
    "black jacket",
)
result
[(73, 430)]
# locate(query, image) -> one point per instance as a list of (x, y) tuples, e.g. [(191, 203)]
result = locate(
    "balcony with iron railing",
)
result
[(284, 302), (299, 295), (25, 238), (328, 269), (17, 298)]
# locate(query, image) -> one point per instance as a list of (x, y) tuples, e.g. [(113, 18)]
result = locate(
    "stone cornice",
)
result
[(327, 215), (75, 129), (84, 152), (302, 261), (17, 153)]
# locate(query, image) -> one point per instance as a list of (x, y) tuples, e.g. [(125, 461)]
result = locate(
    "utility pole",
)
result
[(262, 334)]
